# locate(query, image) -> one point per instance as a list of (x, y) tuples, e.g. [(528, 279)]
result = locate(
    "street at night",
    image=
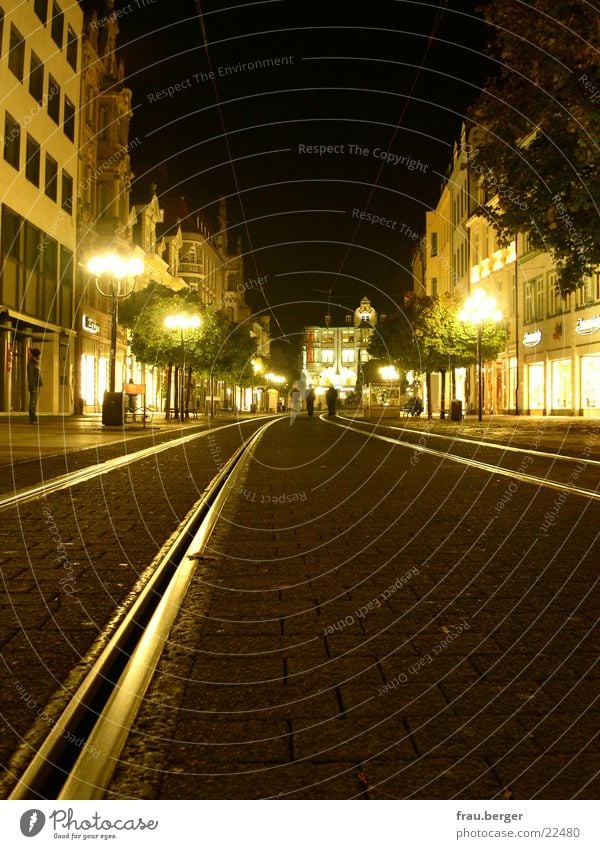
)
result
[(299, 421)]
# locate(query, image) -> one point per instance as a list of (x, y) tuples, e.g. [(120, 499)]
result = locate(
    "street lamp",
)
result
[(182, 322), (115, 278), (478, 309)]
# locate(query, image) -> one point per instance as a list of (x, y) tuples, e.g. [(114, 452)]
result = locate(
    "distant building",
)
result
[(333, 356), (40, 54)]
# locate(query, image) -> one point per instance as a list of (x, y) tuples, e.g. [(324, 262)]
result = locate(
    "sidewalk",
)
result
[(367, 626), (20, 440)]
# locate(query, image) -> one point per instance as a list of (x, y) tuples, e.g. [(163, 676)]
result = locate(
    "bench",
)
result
[(411, 410), (173, 412)]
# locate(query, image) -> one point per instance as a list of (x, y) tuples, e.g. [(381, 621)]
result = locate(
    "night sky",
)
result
[(384, 85)]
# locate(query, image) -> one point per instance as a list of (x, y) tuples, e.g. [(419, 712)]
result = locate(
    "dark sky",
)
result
[(389, 77)]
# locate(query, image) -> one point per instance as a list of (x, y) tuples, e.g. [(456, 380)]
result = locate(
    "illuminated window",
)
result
[(590, 382), (561, 385), (327, 355), (348, 355), (536, 386)]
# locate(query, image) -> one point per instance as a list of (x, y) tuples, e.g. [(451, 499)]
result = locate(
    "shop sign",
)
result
[(585, 326), (90, 325), (530, 340)]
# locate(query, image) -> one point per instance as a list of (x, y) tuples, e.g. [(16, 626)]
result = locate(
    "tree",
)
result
[(218, 349), (427, 336), (536, 130)]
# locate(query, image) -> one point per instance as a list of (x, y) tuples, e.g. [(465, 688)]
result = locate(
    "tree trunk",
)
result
[(187, 392), (443, 395), (428, 385), (168, 392)]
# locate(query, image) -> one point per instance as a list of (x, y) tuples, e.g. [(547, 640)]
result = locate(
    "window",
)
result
[(72, 47), (556, 305), (529, 311), (327, 355), (34, 244), (434, 244), (32, 163), (347, 355), (434, 287), (66, 287), (67, 192), (11, 233), (36, 78), (12, 141), (50, 186), (103, 130), (40, 7), (69, 119), (53, 99), (16, 57), (327, 337), (1, 28), (58, 25), (348, 335), (539, 299)]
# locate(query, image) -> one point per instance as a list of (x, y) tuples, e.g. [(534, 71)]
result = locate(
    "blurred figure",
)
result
[(331, 397), (34, 382), (294, 403), (310, 401)]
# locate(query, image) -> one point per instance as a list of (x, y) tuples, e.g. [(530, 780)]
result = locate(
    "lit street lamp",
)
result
[(182, 322), (115, 278), (478, 309)]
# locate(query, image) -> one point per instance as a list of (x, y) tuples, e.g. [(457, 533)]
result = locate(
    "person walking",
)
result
[(310, 401), (294, 403), (34, 382), (331, 397)]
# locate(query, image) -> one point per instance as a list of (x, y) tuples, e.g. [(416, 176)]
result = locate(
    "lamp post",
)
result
[(478, 309), (115, 278), (182, 322)]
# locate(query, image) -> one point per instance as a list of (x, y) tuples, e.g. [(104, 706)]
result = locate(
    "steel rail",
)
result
[(479, 442), (101, 712), (71, 479), (477, 464)]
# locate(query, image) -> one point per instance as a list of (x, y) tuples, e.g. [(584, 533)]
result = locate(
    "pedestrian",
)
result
[(294, 403), (331, 397), (310, 401), (34, 382)]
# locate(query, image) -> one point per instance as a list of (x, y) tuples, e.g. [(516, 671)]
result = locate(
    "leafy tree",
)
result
[(427, 336), (536, 130)]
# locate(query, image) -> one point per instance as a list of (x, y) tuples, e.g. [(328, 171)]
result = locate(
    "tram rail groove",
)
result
[(71, 479), (478, 464), (103, 708)]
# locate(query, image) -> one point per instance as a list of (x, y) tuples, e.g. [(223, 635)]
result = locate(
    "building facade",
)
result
[(40, 55), (334, 356), (551, 363)]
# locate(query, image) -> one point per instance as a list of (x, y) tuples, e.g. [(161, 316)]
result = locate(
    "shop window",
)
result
[(590, 382), (36, 78), (536, 386), (51, 178), (32, 163), (12, 141), (561, 385), (16, 56)]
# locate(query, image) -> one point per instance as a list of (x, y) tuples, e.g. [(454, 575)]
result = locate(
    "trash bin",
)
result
[(456, 412), (113, 409)]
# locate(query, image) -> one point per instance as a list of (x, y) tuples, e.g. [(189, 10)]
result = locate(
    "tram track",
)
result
[(78, 757), (492, 468), (79, 476)]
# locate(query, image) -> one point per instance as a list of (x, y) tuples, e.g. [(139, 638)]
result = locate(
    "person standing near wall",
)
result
[(34, 382)]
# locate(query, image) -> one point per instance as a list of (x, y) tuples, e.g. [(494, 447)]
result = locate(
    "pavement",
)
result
[(368, 623), (20, 440)]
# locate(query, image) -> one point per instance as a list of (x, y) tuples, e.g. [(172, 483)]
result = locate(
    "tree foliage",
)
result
[(535, 141), (427, 336), (218, 348)]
